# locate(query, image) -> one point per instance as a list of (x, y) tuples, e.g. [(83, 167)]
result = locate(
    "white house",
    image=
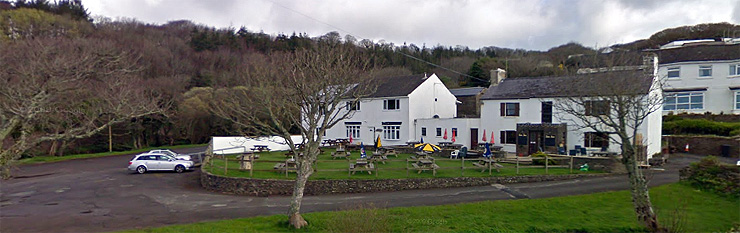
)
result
[(392, 109), (701, 76), (521, 112)]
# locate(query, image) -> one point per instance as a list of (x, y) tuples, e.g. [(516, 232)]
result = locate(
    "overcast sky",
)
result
[(528, 24)]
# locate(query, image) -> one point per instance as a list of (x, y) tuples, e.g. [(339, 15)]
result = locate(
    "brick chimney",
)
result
[(497, 76)]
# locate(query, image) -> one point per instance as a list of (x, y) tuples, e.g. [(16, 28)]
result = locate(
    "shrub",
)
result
[(542, 155), (709, 174), (701, 126)]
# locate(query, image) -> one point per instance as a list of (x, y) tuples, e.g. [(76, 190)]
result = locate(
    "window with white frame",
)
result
[(354, 131), (735, 69), (737, 100), (391, 104), (705, 71), (391, 131), (353, 105), (674, 72), (423, 131), (439, 132), (683, 101)]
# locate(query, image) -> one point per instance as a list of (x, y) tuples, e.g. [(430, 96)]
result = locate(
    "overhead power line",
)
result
[(362, 38)]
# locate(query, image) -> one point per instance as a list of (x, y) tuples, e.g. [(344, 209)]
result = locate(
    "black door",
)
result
[(473, 139), (546, 112), (535, 141)]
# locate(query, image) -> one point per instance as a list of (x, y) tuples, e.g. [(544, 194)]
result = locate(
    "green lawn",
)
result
[(395, 167), (49, 159), (602, 212)]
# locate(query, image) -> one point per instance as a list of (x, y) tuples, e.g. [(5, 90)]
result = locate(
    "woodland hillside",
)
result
[(182, 62)]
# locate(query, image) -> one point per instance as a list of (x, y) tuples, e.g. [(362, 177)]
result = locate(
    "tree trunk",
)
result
[(639, 191), (304, 171), (53, 148), (60, 151)]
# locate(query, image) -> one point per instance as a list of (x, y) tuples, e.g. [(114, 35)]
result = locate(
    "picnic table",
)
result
[(387, 151), (260, 148), (378, 157), (341, 141), (328, 142), (488, 162), (426, 165), (288, 166), (362, 165), (421, 155), (340, 153), (444, 144), (603, 153)]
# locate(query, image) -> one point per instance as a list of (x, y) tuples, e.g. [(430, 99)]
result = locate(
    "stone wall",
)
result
[(703, 145), (267, 187), (607, 164)]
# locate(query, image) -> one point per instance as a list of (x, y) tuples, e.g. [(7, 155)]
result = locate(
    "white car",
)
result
[(158, 162), (170, 153)]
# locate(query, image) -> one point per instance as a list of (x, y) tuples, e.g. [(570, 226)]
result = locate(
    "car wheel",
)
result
[(179, 168), (141, 169)]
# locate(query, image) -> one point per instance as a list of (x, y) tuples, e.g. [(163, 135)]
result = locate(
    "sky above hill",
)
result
[(528, 24)]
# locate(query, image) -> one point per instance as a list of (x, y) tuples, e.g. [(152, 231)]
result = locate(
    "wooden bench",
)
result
[(379, 158), (485, 166), (367, 168), (340, 154), (432, 168), (281, 167)]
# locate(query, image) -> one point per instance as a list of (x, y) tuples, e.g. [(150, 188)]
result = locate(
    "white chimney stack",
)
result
[(497, 76)]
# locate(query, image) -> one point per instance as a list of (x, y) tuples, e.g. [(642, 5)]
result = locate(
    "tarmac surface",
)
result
[(95, 195)]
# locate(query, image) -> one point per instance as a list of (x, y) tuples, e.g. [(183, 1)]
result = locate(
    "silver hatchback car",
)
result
[(158, 162)]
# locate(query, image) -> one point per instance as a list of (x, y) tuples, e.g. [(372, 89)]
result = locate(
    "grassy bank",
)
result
[(697, 211), (393, 168), (49, 159)]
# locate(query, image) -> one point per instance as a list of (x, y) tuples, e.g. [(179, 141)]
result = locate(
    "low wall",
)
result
[(267, 187), (703, 145), (607, 164)]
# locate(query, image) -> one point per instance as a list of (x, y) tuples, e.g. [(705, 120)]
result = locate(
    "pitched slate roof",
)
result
[(397, 86), (701, 52), (469, 91), (591, 84)]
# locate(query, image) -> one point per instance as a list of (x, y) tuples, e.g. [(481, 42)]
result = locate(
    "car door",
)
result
[(151, 162), (166, 163)]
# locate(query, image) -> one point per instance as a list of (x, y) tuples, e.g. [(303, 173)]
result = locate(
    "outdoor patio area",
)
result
[(278, 165)]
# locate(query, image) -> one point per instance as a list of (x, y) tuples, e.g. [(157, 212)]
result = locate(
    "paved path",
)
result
[(94, 195)]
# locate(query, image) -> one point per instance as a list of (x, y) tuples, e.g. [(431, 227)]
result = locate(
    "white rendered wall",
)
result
[(463, 126), (371, 116), (429, 99), (718, 98), (530, 112)]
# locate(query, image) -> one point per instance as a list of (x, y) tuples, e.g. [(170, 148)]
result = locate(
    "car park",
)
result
[(158, 162)]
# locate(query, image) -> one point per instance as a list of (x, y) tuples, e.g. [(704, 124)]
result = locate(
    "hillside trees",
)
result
[(65, 89)]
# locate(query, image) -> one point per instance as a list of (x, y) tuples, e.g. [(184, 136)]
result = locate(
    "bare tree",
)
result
[(307, 91), (618, 101), (65, 89)]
